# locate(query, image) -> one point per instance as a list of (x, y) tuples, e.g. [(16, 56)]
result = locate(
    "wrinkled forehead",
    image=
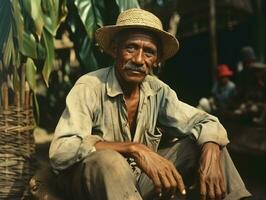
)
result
[(127, 34)]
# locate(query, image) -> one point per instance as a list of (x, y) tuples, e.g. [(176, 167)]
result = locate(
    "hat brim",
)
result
[(105, 35)]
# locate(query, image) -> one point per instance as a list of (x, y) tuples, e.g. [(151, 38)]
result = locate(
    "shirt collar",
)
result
[(113, 87)]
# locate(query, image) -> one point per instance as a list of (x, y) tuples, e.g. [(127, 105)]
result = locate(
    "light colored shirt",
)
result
[(96, 111)]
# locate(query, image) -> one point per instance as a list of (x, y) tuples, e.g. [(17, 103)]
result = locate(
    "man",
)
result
[(245, 73), (105, 145), (223, 92)]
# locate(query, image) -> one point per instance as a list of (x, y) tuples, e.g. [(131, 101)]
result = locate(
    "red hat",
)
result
[(224, 70)]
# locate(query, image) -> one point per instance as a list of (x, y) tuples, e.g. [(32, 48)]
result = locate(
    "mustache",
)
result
[(131, 66)]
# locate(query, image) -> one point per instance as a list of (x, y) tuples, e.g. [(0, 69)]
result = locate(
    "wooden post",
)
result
[(259, 31), (212, 38)]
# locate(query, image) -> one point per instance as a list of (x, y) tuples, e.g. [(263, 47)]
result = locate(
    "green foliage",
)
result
[(49, 46), (125, 4), (20, 40), (28, 29), (30, 73), (85, 16), (5, 21), (89, 13)]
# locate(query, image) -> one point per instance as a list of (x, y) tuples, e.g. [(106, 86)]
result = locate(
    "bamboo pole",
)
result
[(4, 91), (212, 38), (22, 85), (1, 82), (27, 95)]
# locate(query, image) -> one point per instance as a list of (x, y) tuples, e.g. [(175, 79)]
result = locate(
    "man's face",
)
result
[(224, 80), (135, 56)]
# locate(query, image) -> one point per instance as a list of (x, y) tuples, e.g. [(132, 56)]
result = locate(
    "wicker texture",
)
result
[(16, 150)]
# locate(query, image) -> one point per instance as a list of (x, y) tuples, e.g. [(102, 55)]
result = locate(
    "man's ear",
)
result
[(114, 49), (157, 64)]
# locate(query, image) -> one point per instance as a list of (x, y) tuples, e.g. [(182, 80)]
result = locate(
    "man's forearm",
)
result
[(125, 148)]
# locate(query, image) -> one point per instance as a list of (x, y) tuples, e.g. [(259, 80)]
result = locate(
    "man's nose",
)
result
[(138, 57)]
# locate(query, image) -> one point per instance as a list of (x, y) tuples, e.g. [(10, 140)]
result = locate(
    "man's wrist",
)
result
[(134, 149), (211, 147)]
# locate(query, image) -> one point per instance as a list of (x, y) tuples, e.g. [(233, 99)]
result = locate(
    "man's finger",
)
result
[(179, 181), (203, 190), (165, 183), (223, 190), (218, 192), (173, 184), (157, 184), (210, 192)]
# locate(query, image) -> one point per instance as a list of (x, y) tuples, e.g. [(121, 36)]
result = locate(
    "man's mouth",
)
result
[(135, 69), (136, 72)]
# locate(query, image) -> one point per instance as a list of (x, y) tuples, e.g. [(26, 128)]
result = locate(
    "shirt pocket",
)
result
[(152, 139)]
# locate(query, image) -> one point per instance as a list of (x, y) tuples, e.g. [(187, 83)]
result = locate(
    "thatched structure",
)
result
[(195, 14)]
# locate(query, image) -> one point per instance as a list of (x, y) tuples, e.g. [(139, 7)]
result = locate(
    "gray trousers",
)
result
[(106, 175)]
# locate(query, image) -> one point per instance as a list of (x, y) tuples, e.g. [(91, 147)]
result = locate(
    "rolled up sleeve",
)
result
[(73, 140), (182, 119)]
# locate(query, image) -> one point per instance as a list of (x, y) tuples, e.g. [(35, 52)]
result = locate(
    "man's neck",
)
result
[(129, 90)]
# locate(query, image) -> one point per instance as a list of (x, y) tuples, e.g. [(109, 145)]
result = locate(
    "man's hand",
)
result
[(161, 171), (211, 178)]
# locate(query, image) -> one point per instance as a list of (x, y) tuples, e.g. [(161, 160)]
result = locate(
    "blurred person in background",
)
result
[(251, 90), (222, 94), (253, 99)]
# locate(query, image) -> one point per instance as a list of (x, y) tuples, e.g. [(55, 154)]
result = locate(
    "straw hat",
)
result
[(223, 70), (137, 18)]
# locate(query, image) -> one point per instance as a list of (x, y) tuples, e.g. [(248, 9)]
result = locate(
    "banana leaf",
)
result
[(90, 15), (12, 28), (5, 22), (8, 48), (31, 71), (29, 47), (126, 4), (33, 9), (85, 16), (49, 47), (86, 55), (50, 15)]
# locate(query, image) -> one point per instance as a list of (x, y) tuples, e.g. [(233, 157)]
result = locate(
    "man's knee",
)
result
[(104, 159), (106, 163)]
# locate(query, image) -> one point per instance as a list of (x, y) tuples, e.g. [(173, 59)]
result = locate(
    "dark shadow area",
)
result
[(252, 170), (189, 72)]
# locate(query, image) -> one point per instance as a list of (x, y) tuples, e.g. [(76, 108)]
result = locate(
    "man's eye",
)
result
[(130, 48), (150, 52)]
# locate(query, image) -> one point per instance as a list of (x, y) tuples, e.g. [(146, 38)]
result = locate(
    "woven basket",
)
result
[(16, 148)]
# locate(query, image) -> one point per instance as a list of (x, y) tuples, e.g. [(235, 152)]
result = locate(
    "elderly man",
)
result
[(106, 142)]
